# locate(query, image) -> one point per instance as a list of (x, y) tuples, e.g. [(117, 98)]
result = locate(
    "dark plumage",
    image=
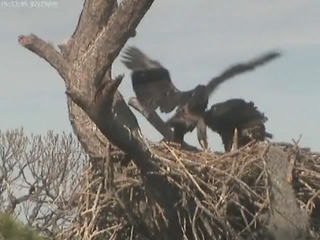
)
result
[(190, 115), (154, 89), (232, 114)]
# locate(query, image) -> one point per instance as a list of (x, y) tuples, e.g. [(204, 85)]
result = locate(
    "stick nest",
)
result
[(224, 195)]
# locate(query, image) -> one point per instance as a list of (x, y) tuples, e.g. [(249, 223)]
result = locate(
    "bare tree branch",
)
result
[(46, 51), (54, 164), (98, 13), (102, 31), (153, 118)]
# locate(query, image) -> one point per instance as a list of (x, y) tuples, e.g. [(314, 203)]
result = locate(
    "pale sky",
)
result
[(195, 40)]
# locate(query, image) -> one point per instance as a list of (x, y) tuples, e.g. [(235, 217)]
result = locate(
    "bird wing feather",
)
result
[(151, 81), (241, 68)]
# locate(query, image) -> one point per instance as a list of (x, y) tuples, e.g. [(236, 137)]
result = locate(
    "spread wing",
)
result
[(241, 68), (151, 81)]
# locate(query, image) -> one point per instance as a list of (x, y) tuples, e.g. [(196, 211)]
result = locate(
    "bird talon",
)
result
[(235, 145)]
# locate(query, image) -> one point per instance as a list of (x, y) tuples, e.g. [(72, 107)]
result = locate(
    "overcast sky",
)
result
[(195, 40)]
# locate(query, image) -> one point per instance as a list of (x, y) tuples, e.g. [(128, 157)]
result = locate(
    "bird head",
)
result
[(199, 99)]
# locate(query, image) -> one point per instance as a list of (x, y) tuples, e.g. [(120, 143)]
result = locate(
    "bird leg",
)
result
[(204, 144), (202, 134), (235, 140)]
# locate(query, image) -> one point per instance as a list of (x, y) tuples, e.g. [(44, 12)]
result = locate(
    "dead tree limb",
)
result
[(46, 51), (116, 121), (287, 221), (153, 118), (85, 63), (102, 30)]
